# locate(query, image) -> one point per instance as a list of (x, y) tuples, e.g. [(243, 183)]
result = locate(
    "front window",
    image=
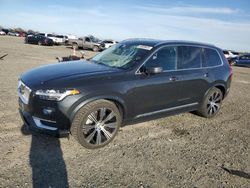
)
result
[(166, 58), (123, 55), (87, 39)]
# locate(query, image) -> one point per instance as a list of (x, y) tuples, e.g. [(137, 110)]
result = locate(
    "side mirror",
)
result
[(154, 70)]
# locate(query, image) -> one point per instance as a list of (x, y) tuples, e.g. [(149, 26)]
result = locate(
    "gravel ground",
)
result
[(178, 151)]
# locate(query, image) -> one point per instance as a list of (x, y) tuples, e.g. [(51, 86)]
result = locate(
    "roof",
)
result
[(155, 42)]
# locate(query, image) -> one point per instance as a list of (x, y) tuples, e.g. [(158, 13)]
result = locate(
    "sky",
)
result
[(224, 23)]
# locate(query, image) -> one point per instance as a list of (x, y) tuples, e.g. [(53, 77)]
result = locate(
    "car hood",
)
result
[(48, 73)]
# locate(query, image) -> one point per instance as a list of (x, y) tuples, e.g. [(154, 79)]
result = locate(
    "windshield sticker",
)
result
[(144, 47)]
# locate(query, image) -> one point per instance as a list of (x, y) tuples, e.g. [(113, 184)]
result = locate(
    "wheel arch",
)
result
[(220, 86), (119, 102), (96, 46)]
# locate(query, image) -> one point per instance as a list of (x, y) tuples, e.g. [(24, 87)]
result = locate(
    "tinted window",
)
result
[(87, 39), (59, 36), (165, 58), (245, 57), (189, 57), (211, 58), (124, 55), (226, 52)]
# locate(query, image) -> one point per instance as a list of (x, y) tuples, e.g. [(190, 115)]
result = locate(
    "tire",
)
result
[(95, 48), (74, 45), (96, 124), (39, 43), (211, 104)]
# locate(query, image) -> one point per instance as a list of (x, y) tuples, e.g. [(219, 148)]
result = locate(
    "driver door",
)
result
[(154, 92)]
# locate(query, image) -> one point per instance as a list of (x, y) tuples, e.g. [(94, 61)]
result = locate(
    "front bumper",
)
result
[(37, 123)]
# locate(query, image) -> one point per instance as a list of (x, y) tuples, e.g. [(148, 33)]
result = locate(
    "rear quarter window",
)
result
[(211, 58)]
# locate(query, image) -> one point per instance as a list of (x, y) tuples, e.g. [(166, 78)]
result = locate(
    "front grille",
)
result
[(24, 92)]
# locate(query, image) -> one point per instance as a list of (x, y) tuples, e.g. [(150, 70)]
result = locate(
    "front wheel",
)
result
[(96, 124), (211, 103), (95, 48)]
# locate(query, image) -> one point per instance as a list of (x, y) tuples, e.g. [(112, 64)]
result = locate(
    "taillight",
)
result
[(230, 72)]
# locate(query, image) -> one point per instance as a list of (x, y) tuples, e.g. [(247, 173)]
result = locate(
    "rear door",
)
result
[(194, 77)]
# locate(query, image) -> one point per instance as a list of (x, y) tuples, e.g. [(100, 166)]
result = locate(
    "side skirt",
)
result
[(167, 110)]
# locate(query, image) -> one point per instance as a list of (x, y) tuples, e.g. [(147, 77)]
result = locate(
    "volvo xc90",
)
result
[(132, 81)]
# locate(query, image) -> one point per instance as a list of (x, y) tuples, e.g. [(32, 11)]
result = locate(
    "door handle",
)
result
[(173, 78), (206, 75)]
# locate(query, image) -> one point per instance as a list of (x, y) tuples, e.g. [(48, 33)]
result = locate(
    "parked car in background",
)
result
[(22, 34), (229, 54), (107, 43), (135, 80), (39, 40), (60, 39), (243, 60), (6, 31), (86, 43), (2, 33), (13, 34), (71, 37), (55, 39)]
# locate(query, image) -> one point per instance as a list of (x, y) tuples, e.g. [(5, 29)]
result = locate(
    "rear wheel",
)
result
[(211, 103), (96, 124)]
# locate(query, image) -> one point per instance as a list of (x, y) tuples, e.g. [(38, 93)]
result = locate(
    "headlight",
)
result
[(55, 95)]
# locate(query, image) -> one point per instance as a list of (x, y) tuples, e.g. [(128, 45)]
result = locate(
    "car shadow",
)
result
[(46, 161)]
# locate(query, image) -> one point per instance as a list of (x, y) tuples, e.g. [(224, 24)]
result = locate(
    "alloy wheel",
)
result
[(99, 126), (214, 103)]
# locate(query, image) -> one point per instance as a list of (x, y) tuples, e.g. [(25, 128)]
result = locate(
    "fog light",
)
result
[(48, 111)]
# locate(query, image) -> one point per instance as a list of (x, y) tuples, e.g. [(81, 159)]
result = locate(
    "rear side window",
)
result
[(189, 57), (166, 58), (211, 58)]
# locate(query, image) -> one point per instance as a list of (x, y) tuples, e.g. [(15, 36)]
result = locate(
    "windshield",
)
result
[(122, 55)]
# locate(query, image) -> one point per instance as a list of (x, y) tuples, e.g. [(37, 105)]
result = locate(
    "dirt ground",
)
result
[(178, 151)]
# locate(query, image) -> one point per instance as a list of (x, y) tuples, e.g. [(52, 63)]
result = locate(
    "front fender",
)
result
[(83, 101)]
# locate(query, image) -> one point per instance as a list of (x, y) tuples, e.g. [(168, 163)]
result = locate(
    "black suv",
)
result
[(134, 80)]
